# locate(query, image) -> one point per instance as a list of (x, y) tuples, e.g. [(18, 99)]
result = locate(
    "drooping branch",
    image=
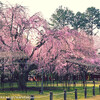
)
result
[(37, 47), (3, 42)]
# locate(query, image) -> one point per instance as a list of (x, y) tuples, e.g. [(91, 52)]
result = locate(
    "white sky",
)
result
[(47, 7)]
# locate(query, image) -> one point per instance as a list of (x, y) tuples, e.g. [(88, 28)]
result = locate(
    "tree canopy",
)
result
[(62, 17), (89, 21), (53, 46)]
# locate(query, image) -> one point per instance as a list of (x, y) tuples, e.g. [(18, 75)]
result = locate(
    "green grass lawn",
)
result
[(58, 93)]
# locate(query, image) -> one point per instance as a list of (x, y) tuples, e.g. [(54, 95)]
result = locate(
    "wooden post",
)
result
[(93, 90), (42, 82), (51, 95), (99, 89), (74, 84), (64, 94), (85, 92), (8, 98), (75, 94), (53, 82), (94, 83), (32, 97), (47, 80), (63, 83), (57, 83)]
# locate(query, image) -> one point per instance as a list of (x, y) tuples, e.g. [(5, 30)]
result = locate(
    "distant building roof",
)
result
[(9, 55), (74, 61)]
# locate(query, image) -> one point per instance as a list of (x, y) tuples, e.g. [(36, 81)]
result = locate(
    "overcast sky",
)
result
[(47, 7)]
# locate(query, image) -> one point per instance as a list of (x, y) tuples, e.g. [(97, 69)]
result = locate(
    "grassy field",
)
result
[(58, 93)]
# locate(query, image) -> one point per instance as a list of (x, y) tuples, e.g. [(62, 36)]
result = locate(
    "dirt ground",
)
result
[(93, 98)]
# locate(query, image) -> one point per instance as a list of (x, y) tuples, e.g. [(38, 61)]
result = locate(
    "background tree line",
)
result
[(89, 21), (54, 46)]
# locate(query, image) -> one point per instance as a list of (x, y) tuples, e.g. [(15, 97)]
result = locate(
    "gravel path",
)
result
[(93, 98)]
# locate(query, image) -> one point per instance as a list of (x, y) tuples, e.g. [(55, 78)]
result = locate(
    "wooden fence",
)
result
[(32, 97)]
